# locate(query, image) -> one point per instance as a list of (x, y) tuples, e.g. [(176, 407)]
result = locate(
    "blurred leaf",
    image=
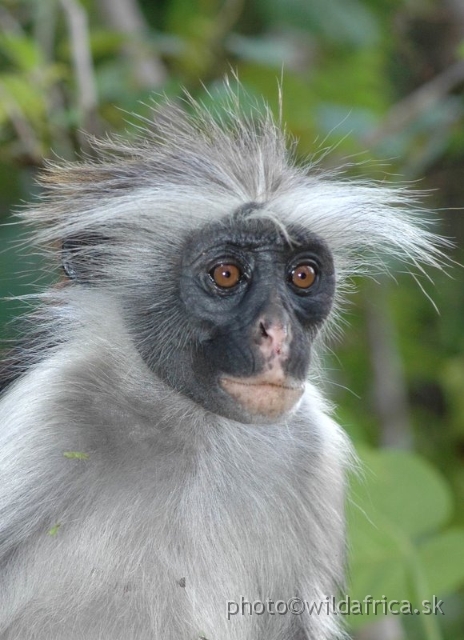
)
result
[(355, 79), (453, 381), (404, 490), (54, 530), (21, 50), (341, 120), (460, 50), (425, 139), (270, 51), (442, 559), (76, 455), (182, 16), (341, 21), (377, 553), (106, 43), (19, 93), (400, 498)]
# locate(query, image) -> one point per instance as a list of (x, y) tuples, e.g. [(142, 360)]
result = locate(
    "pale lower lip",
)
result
[(263, 398)]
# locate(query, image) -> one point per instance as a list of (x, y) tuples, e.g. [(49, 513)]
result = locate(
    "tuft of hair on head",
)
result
[(191, 165)]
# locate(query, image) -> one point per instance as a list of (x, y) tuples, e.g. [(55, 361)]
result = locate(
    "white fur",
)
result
[(95, 547)]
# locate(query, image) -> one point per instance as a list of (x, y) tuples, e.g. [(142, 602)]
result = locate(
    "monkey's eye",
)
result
[(303, 275), (226, 275)]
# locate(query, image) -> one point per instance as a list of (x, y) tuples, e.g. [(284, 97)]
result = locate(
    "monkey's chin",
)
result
[(261, 397)]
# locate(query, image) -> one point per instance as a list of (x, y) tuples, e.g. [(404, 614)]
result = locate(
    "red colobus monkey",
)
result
[(162, 449)]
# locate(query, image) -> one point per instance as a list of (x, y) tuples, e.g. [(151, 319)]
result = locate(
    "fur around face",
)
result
[(128, 512)]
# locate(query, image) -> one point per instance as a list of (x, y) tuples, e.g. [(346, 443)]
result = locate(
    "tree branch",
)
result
[(125, 17), (83, 64), (408, 109)]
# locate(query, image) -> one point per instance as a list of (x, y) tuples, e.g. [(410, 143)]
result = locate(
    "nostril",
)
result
[(263, 331)]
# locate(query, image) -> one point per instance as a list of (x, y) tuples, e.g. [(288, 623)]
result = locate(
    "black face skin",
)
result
[(228, 322), (203, 333)]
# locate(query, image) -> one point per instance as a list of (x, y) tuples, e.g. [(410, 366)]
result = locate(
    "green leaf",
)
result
[(400, 498), (21, 50), (378, 565), (54, 530), (20, 94), (76, 455), (405, 490), (342, 21), (106, 43), (266, 50), (442, 560)]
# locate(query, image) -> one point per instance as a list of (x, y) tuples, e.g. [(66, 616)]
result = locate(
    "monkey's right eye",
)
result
[(226, 276)]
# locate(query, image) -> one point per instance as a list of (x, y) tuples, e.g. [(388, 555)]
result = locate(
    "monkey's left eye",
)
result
[(303, 275), (226, 276)]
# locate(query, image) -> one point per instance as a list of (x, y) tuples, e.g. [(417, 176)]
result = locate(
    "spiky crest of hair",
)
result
[(129, 209), (184, 170)]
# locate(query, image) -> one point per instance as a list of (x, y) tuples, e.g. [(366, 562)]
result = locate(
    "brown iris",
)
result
[(226, 276), (303, 276)]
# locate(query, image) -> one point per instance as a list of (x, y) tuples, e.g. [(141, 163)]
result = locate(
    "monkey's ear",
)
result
[(81, 256)]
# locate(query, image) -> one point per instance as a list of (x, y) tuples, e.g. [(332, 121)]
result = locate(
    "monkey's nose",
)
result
[(274, 337)]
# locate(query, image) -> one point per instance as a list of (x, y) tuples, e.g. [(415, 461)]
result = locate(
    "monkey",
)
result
[(166, 448)]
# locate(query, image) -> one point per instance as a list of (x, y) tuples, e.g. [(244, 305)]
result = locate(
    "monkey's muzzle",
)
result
[(260, 396)]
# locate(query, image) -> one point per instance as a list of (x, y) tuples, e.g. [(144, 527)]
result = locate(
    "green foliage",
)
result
[(54, 530), (440, 558), (76, 455), (399, 549), (338, 21)]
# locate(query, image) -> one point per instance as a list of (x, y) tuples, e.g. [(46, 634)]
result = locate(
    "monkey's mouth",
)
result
[(261, 396)]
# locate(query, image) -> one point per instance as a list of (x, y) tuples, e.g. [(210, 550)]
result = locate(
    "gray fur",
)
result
[(173, 511)]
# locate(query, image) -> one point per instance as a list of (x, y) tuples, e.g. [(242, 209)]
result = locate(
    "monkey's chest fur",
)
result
[(151, 534)]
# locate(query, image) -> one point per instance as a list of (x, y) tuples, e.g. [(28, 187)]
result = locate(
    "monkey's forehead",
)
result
[(251, 227)]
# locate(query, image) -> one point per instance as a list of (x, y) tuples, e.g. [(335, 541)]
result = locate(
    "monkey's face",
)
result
[(253, 299), (227, 317)]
